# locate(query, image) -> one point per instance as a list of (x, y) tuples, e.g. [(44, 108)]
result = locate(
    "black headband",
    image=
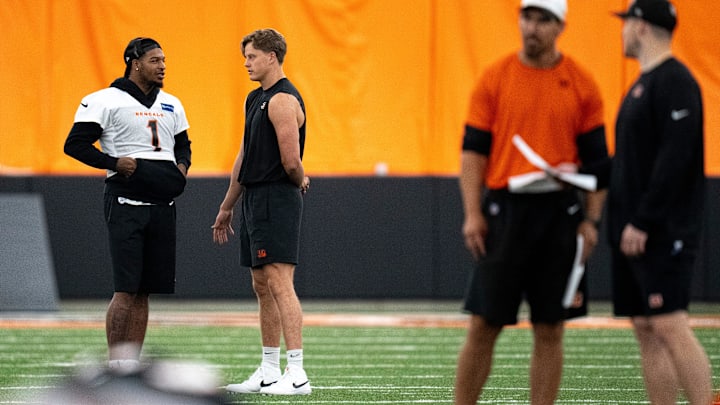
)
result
[(136, 49), (139, 47)]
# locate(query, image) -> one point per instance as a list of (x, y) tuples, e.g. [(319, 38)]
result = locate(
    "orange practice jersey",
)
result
[(549, 108)]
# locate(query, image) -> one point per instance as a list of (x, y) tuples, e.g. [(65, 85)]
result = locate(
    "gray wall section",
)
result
[(362, 237), (27, 277)]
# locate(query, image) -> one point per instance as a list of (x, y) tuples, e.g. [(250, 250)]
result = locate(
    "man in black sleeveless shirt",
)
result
[(269, 179), (655, 206)]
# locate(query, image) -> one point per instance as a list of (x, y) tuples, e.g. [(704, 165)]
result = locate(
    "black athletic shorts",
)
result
[(270, 224), (657, 282), (530, 247), (142, 246)]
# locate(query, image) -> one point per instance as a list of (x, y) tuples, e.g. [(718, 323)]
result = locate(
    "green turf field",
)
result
[(351, 365)]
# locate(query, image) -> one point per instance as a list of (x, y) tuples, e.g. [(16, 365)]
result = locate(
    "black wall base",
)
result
[(362, 238)]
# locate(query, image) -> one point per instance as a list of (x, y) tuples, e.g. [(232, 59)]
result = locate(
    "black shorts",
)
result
[(658, 282), (270, 224), (142, 246), (531, 244)]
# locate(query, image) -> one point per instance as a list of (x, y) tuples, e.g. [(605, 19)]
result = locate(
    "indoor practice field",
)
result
[(355, 352)]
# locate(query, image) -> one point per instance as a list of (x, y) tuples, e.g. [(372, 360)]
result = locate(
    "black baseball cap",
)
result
[(136, 48), (661, 13)]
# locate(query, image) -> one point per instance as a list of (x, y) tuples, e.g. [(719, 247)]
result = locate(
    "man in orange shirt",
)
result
[(525, 239)]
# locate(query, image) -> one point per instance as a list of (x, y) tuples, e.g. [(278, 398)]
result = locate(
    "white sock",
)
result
[(270, 358), (124, 366), (295, 358)]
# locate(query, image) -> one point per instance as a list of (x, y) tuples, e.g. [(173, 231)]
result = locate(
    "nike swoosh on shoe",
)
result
[(300, 385)]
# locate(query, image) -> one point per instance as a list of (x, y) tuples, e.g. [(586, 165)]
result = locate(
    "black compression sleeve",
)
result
[(182, 149), (477, 140), (594, 155), (80, 145)]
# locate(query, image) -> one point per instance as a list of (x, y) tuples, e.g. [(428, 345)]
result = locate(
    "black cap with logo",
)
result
[(657, 12)]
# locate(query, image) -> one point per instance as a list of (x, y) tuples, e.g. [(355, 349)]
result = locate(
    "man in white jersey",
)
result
[(146, 151)]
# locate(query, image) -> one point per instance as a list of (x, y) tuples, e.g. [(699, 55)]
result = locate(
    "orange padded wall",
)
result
[(384, 80)]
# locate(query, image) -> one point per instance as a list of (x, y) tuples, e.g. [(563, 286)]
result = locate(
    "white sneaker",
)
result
[(256, 382), (293, 382)]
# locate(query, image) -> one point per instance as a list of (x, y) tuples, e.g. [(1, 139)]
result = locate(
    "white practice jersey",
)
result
[(132, 130)]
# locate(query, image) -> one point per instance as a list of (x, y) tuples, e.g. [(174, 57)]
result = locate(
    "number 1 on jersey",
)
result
[(152, 124)]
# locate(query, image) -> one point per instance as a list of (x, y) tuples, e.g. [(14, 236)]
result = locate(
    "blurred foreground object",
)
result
[(162, 382)]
